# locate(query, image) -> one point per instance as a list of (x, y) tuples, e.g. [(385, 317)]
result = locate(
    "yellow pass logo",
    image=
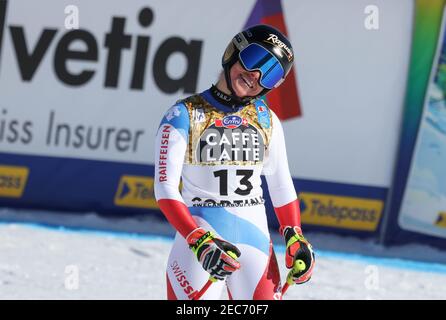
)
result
[(441, 220), (13, 181), (135, 191), (342, 212)]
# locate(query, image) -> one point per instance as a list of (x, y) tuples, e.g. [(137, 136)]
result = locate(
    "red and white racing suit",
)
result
[(219, 153)]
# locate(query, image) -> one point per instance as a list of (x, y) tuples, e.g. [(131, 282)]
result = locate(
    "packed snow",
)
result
[(48, 263)]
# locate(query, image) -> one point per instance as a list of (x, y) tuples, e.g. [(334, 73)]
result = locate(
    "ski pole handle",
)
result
[(210, 281), (298, 266)]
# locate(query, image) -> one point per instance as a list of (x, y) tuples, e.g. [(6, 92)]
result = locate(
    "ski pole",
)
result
[(299, 265), (205, 288), (210, 281)]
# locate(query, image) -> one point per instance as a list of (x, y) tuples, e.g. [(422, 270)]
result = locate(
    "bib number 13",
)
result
[(244, 182)]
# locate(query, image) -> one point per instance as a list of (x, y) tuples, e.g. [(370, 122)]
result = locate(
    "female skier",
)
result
[(219, 142)]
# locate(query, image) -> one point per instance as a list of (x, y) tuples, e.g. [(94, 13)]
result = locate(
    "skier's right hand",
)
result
[(217, 256)]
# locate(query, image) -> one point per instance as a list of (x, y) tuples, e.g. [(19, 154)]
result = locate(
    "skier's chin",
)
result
[(241, 91)]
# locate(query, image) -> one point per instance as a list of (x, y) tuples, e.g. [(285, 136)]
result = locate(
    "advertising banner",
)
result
[(80, 103), (417, 200), (423, 208)]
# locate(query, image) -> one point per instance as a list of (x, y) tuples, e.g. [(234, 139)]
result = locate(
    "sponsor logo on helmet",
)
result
[(231, 122), (274, 39)]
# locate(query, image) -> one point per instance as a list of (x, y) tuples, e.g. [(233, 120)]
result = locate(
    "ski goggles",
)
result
[(255, 57)]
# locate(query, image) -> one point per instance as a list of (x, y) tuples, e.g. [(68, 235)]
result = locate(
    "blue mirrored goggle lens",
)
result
[(255, 57)]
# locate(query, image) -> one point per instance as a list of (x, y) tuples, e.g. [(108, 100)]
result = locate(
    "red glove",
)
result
[(299, 256), (217, 256)]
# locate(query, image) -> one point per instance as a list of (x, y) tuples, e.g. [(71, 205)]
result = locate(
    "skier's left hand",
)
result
[(299, 256)]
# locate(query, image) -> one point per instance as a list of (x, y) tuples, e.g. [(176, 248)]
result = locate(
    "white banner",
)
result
[(79, 94)]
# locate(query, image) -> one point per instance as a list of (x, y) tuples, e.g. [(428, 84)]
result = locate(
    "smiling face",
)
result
[(245, 83)]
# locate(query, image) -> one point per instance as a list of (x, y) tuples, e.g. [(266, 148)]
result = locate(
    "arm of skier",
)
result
[(286, 205), (170, 147)]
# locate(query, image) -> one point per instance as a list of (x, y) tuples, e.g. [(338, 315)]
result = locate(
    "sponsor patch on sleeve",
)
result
[(263, 115)]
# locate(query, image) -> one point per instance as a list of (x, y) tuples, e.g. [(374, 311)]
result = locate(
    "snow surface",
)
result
[(37, 263)]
